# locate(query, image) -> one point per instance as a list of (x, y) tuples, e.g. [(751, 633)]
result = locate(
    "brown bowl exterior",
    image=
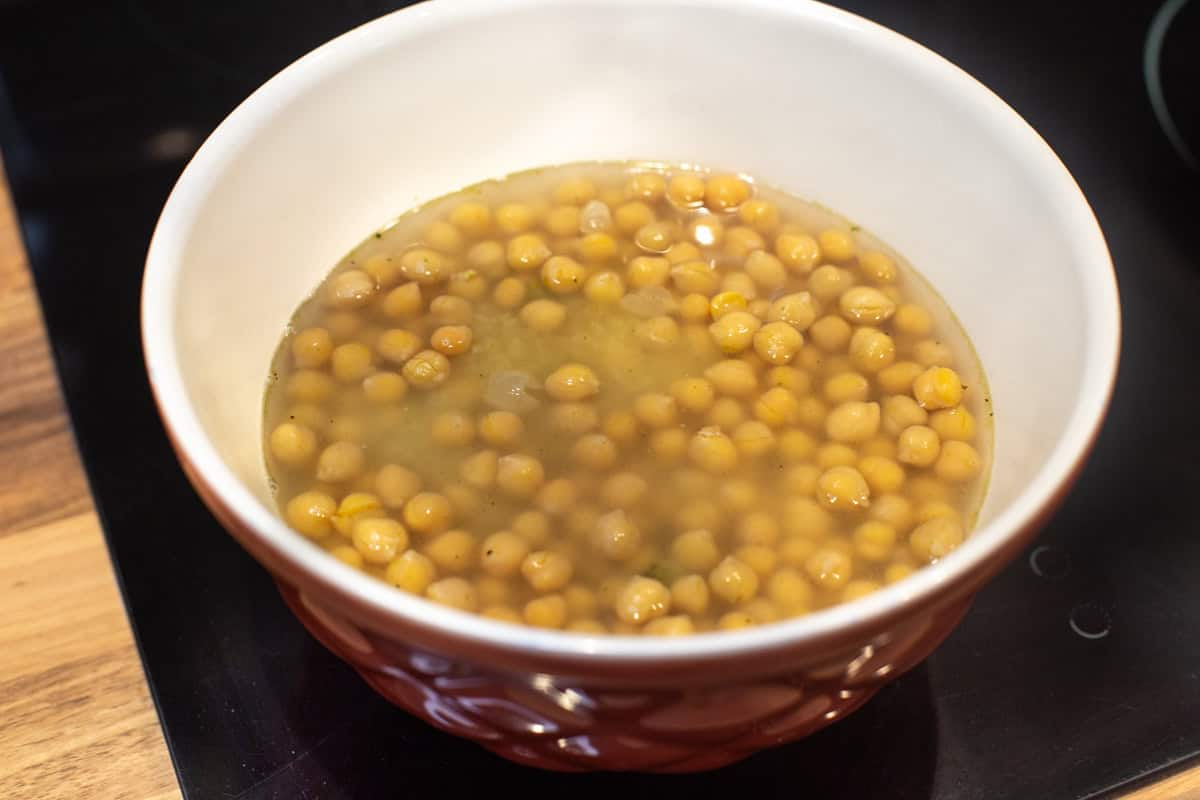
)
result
[(574, 713)]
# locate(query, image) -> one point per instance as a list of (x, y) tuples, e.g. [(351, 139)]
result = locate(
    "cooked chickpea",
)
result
[(846, 387), (899, 377), (798, 252), (293, 445), (936, 387), (918, 446), (595, 451), (777, 407), (452, 551), (953, 423), (790, 591), (514, 218), (900, 412), (933, 540), (777, 342), (877, 266), (310, 514), (695, 276), (874, 541), (411, 572), (479, 469), (616, 537), (831, 334), (853, 421), (732, 377), (426, 370), (725, 303), (350, 289), (428, 512), (454, 592), (453, 429), (451, 340), (340, 461), (958, 462), (837, 244), (686, 190), (882, 474), (930, 353), (519, 475), (895, 510), (557, 496), (312, 347), (658, 333), (378, 539), (829, 568), (843, 488), (733, 581), (351, 362), (597, 248), (563, 275), (501, 428), (645, 271), (574, 418), (828, 282), (384, 387), (543, 316), (912, 320), (572, 382), (871, 350), (546, 570), (761, 215), (527, 252), (753, 438)]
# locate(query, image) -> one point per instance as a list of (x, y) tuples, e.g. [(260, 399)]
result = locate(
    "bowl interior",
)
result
[(804, 97)]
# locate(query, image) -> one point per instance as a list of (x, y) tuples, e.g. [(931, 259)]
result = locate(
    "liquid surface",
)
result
[(628, 398)]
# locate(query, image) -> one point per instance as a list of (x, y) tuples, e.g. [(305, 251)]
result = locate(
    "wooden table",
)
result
[(76, 719)]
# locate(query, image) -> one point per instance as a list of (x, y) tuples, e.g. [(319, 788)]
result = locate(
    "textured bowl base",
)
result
[(555, 723)]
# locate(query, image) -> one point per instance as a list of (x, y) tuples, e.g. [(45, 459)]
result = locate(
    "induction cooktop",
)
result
[(1076, 672)]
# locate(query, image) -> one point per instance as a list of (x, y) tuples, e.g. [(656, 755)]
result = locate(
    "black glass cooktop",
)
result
[(1076, 672)]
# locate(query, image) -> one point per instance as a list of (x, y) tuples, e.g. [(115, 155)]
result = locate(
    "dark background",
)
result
[(1077, 670)]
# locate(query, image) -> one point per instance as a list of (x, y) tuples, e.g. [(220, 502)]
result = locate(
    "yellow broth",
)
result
[(629, 398)]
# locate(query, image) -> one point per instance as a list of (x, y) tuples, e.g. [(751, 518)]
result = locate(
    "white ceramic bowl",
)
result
[(809, 98)]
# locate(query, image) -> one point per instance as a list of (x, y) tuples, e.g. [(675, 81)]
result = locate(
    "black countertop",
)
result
[(1076, 671)]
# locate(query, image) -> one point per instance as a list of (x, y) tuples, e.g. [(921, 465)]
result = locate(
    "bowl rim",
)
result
[(1035, 501)]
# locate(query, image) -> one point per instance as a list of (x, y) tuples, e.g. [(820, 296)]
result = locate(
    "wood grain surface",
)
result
[(76, 720)]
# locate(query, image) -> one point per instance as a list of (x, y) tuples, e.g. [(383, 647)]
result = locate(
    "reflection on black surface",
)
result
[(101, 102)]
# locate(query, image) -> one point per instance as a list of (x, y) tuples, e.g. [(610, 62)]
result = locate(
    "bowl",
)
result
[(811, 99)]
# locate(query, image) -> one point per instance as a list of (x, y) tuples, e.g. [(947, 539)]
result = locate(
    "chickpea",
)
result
[(350, 362), (384, 388), (726, 413), (929, 353), (754, 438), (452, 551), (310, 514), (790, 591), (378, 539), (693, 394), (339, 462), (866, 305), (543, 316), (557, 496), (837, 244), (843, 489), (958, 462), (514, 218), (829, 568), (696, 550), (519, 475), (900, 412), (398, 345), (936, 387), (411, 572), (689, 594), (574, 418), (777, 342), (953, 423), (293, 445), (871, 350), (877, 266), (428, 512), (347, 555), (620, 426), (733, 581), (725, 303), (882, 474), (732, 377), (526, 252), (706, 231), (761, 215), (479, 469), (563, 275), (501, 428), (831, 334), (604, 288), (811, 412), (453, 429), (798, 252), (454, 592), (597, 248), (575, 191), (933, 540), (795, 446), (426, 370), (647, 271), (383, 270), (451, 340), (352, 288), (713, 451), (311, 348), (741, 242), (936, 509), (562, 221), (546, 570), (874, 541), (615, 536), (853, 421), (532, 526), (918, 446), (668, 444), (547, 611), (686, 190), (695, 277), (846, 387), (658, 333), (912, 320), (473, 219), (572, 382), (647, 186), (895, 510), (595, 451), (777, 407), (509, 293), (677, 625), (489, 258), (899, 377)]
